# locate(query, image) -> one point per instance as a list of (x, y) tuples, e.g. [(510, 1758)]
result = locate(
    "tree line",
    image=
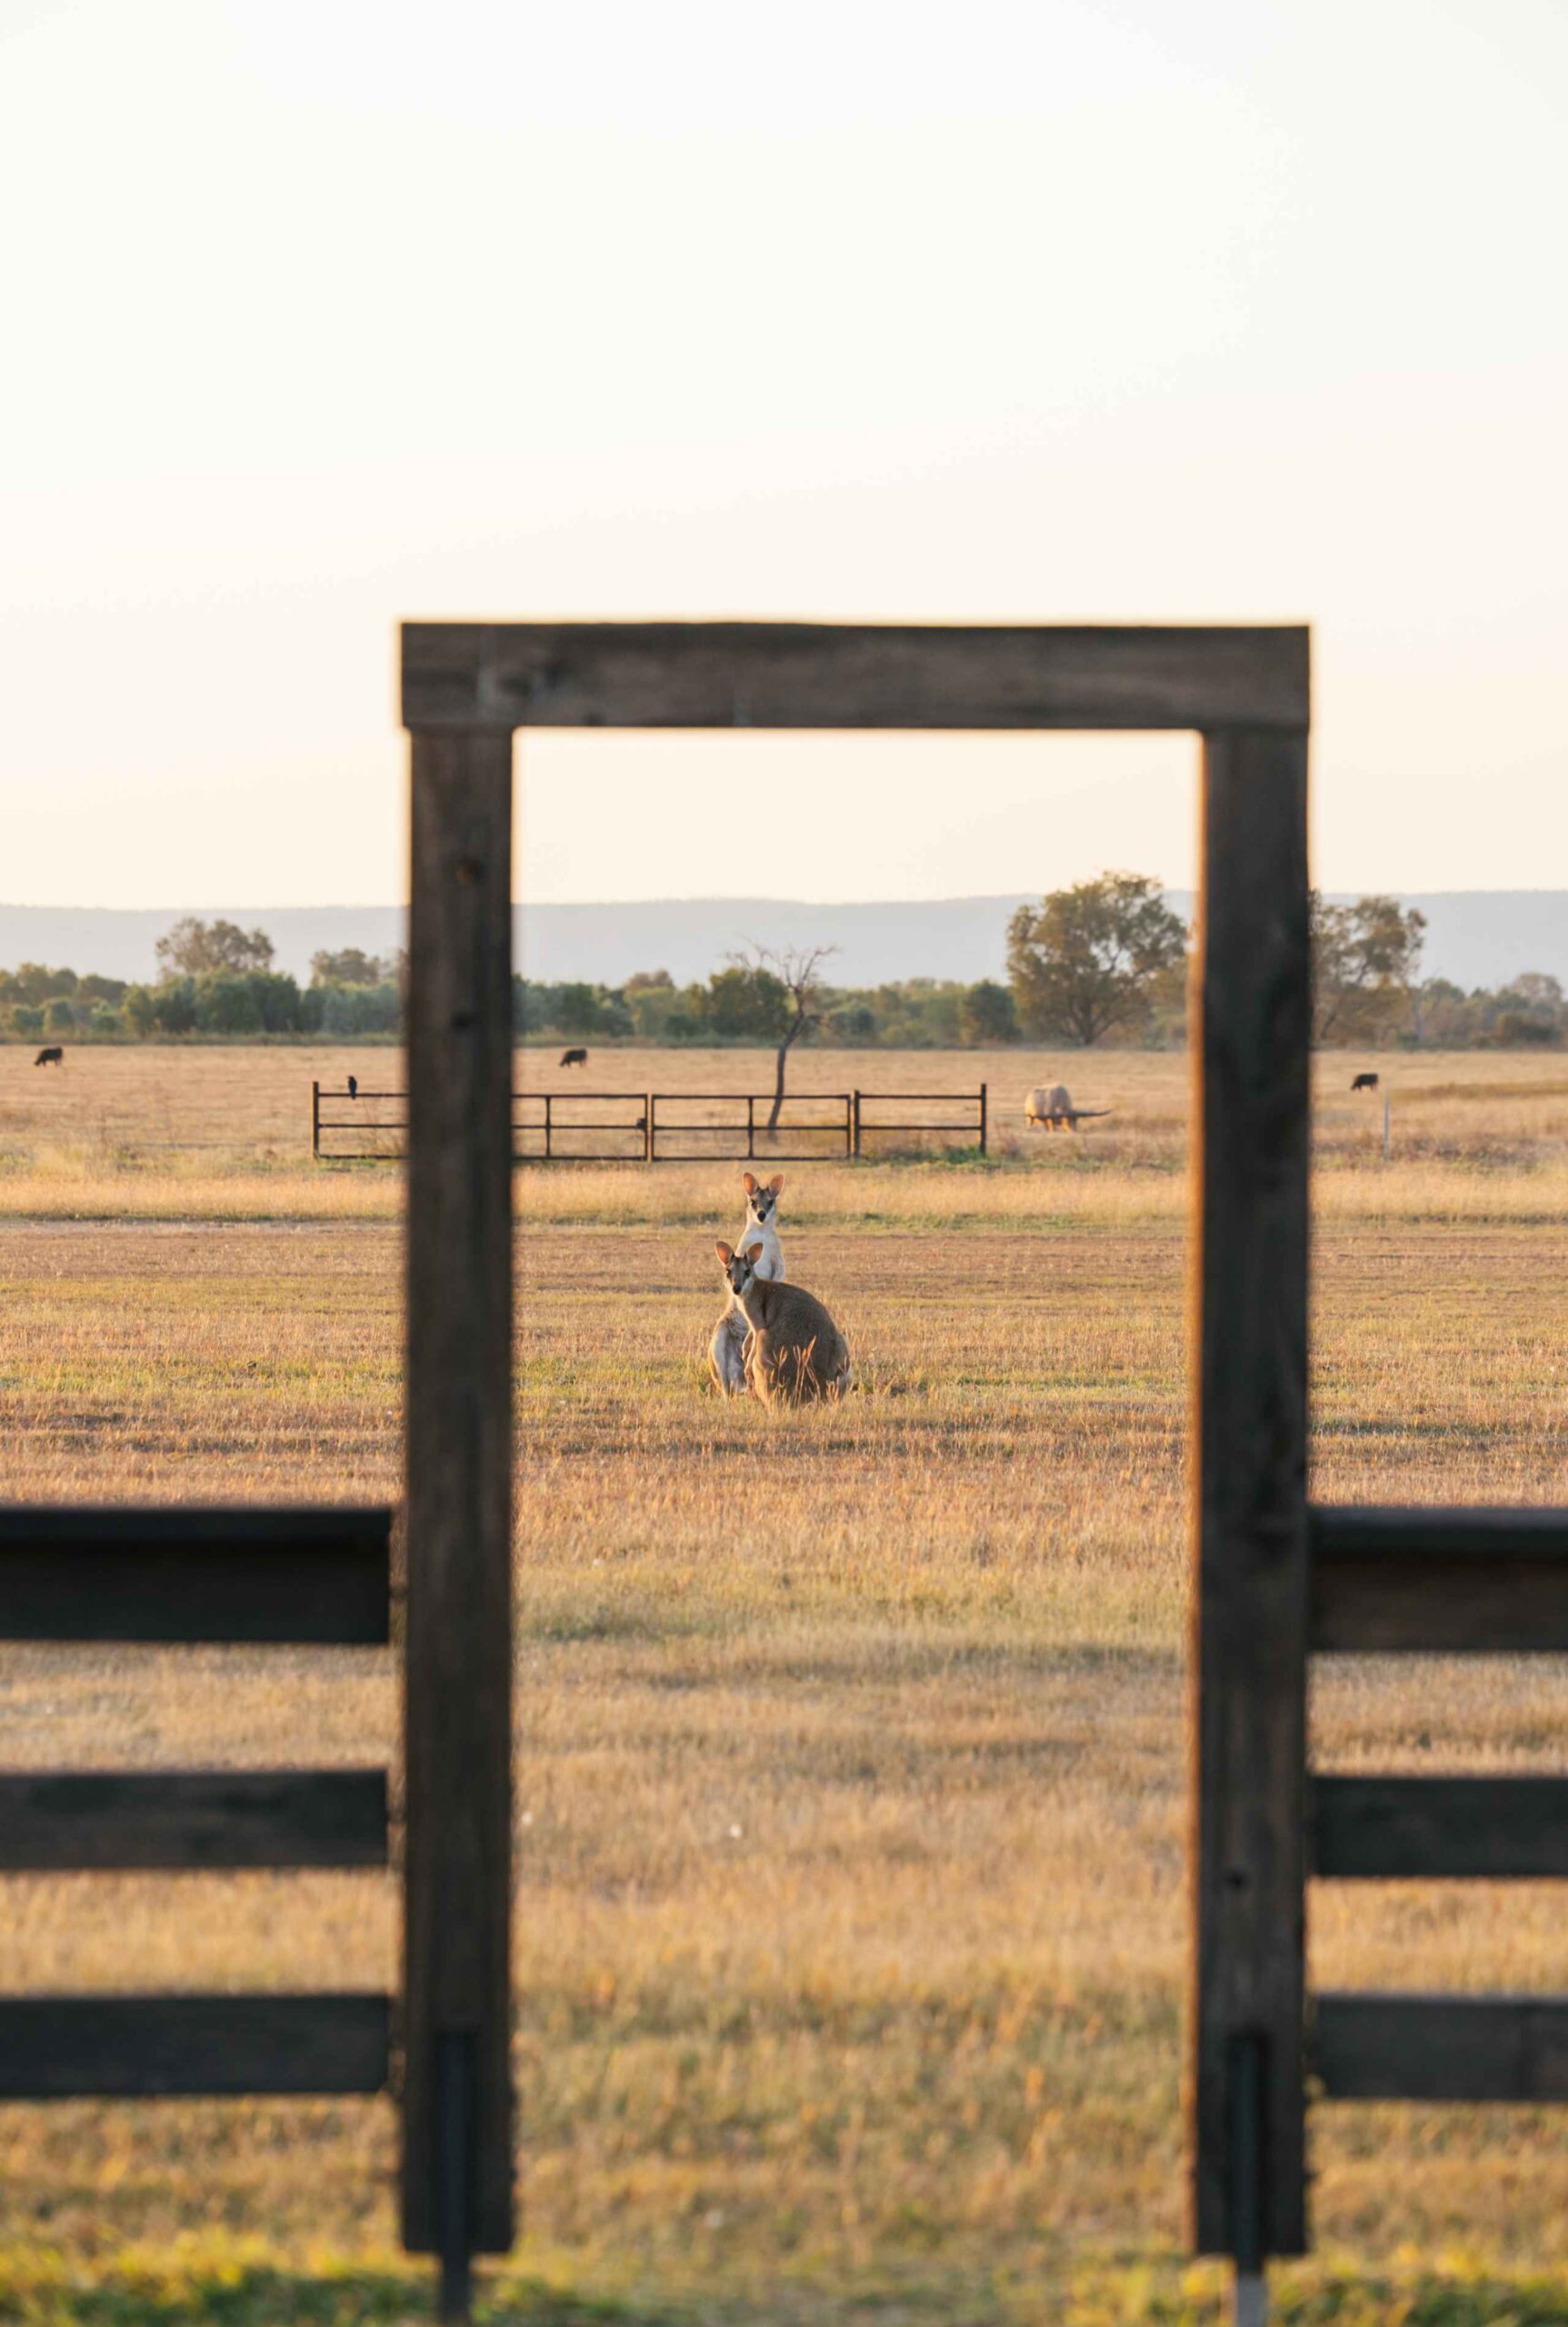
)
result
[(214, 979), (1100, 962)]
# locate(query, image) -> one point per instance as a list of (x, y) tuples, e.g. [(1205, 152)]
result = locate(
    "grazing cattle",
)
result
[(574, 1058), (354, 1086), (1365, 1083), (52, 1056), (1049, 1107)]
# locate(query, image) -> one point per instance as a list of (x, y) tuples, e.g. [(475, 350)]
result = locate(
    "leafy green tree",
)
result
[(1087, 959), (351, 965), (1365, 960), (31, 982), (986, 1015), (745, 1003), (852, 1023), (194, 948)]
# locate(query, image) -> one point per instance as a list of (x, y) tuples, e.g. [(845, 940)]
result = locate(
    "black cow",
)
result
[(354, 1086), (52, 1056), (574, 1058), (1365, 1083)]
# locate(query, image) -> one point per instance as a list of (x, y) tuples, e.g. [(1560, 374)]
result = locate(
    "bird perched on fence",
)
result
[(354, 1086)]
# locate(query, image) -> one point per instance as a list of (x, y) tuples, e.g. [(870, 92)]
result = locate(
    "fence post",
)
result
[(982, 1118), (653, 1127), (546, 1098), (315, 1121), (751, 1127), (647, 1126), (458, 2094), (1248, 1719), (854, 1107)]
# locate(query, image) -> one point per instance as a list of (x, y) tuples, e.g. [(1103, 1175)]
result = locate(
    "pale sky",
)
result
[(323, 313)]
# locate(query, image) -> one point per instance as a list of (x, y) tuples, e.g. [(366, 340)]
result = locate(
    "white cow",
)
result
[(1049, 1108)]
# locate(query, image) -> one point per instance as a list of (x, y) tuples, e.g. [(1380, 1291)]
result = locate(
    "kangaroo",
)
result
[(793, 1353), (726, 1350), (761, 1205)]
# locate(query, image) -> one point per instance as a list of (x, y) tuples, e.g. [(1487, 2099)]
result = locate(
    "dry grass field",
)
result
[(850, 1763)]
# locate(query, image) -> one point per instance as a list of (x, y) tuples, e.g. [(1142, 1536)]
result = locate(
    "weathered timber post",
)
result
[(647, 1126), (1248, 1667), (983, 1119), (315, 1121), (751, 1126), (854, 1118), (457, 2096)]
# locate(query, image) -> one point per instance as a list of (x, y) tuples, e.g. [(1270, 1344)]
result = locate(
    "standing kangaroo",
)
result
[(727, 1349), (793, 1353)]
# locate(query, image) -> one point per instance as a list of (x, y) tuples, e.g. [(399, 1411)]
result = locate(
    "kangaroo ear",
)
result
[(776, 1182), (724, 1253), (754, 1252), (749, 1182)]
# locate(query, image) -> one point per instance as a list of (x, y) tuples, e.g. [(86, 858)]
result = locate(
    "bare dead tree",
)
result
[(797, 970)]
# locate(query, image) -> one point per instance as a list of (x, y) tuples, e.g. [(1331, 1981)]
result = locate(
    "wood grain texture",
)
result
[(458, 1697), (1493, 1828), (190, 1819), (478, 675), (56, 2047), (144, 1574), (1438, 1580), (1379, 2047), (1247, 1669)]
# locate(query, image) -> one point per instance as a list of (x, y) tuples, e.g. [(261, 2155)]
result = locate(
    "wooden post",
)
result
[(546, 1097), (983, 1119), (647, 1126), (751, 1126), (458, 2094), (653, 1127), (315, 1121), (1248, 1665), (855, 1116)]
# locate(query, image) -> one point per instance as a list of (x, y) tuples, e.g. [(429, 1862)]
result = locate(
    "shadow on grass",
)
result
[(42, 2291), (37, 2289)]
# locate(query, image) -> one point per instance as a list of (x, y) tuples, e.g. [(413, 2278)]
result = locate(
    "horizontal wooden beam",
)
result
[(142, 1572), (501, 675), (1488, 1581), (55, 2048), (1483, 1827), (1376, 2047), (88, 1820)]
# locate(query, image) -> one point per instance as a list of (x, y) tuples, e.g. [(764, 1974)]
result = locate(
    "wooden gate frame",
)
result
[(467, 686), (325, 1575)]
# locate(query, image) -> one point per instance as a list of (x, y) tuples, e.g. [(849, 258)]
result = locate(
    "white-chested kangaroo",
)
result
[(793, 1351), (726, 1350)]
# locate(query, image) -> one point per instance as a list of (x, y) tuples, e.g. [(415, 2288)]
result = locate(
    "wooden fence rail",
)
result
[(843, 1124)]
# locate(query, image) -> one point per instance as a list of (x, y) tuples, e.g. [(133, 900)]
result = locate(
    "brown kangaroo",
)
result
[(795, 1352)]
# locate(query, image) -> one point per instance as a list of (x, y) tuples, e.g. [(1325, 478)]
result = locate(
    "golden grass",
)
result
[(850, 1928)]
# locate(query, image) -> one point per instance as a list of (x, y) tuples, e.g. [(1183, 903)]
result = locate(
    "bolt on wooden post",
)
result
[(457, 2095)]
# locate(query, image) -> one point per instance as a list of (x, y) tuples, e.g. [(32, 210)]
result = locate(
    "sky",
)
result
[(321, 313)]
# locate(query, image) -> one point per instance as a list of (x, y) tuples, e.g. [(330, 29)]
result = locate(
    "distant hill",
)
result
[(1475, 936)]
